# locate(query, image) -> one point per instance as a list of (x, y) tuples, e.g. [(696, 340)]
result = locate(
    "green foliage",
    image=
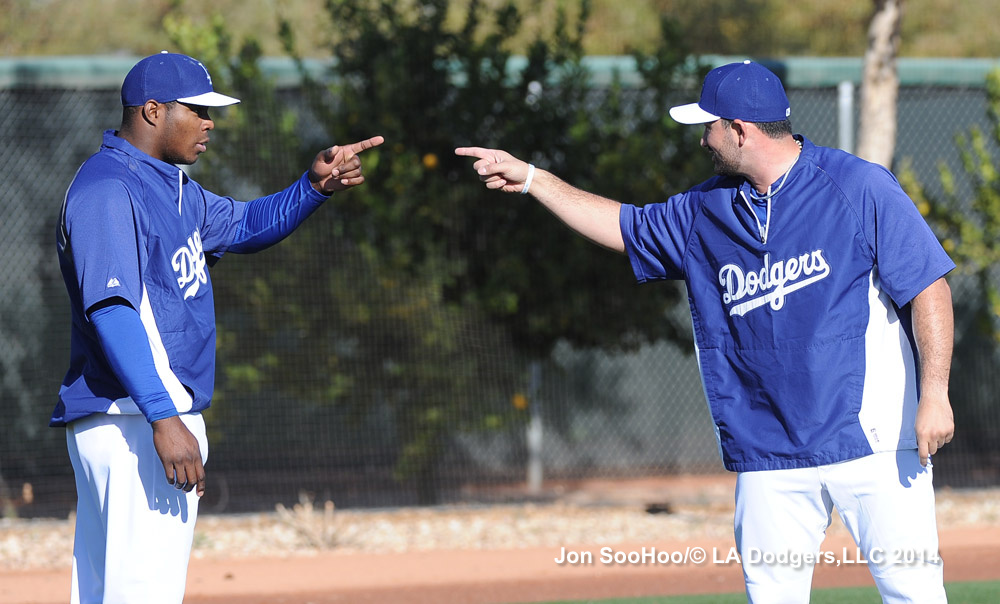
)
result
[(969, 227), (422, 273), (427, 90)]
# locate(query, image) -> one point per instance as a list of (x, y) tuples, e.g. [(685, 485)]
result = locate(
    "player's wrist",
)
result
[(528, 179), (164, 419), (934, 394), (315, 183)]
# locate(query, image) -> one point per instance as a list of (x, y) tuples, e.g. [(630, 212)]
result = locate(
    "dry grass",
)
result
[(947, 28)]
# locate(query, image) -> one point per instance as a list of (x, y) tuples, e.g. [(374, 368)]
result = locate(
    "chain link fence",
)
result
[(578, 414)]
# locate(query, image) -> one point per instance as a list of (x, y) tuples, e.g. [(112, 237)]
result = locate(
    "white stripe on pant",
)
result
[(886, 501), (133, 529)]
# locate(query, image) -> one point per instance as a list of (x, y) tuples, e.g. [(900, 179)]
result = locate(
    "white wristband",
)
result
[(527, 181)]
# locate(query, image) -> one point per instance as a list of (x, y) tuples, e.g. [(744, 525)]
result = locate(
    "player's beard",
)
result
[(725, 159)]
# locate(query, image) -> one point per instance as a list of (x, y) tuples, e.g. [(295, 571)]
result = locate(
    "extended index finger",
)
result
[(366, 144), (479, 152)]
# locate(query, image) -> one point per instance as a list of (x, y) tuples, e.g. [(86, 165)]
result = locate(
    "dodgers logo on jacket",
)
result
[(771, 283), (190, 266)]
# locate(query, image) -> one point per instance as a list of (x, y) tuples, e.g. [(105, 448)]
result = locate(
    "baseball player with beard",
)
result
[(823, 328), (135, 239)]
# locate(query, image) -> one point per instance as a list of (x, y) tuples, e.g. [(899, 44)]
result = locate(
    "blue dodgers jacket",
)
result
[(136, 228), (802, 319)]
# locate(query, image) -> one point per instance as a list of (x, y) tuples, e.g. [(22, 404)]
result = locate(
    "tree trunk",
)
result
[(880, 85)]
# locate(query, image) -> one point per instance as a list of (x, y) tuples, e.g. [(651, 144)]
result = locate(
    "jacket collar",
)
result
[(113, 141)]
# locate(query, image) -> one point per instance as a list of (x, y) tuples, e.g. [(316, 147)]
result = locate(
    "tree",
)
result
[(449, 273), (430, 90), (880, 84)]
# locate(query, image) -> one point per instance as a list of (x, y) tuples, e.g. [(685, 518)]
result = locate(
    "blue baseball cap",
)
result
[(167, 77), (738, 91)]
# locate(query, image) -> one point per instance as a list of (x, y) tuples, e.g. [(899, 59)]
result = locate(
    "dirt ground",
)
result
[(496, 554)]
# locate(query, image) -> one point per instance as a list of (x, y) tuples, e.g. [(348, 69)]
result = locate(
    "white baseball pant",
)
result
[(886, 501), (133, 529)]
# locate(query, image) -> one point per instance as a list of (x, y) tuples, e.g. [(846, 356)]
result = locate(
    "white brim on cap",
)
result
[(209, 99), (691, 114)]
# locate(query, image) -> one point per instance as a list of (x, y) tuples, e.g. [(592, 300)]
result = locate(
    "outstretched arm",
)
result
[(592, 216), (934, 331), (338, 167)]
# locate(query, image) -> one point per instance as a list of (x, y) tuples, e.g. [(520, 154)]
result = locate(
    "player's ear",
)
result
[(741, 129), (153, 112)]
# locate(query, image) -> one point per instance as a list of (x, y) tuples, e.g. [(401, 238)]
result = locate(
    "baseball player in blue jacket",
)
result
[(136, 236), (823, 328)]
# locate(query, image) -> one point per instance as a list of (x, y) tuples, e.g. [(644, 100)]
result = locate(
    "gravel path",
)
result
[(307, 529)]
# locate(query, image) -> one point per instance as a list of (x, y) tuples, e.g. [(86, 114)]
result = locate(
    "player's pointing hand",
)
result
[(339, 167), (593, 216), (498, 169)]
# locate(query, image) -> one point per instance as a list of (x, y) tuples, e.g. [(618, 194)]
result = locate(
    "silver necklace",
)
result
[(764, 228), (757, 197)]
